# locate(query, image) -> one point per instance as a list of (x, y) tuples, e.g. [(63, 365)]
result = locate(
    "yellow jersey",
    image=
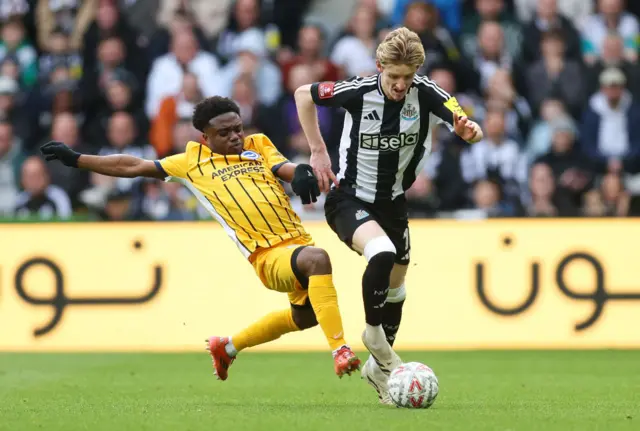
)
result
[(241, 191)]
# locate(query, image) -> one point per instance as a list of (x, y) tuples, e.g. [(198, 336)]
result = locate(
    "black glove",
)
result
[(305, 184), (58, 151)]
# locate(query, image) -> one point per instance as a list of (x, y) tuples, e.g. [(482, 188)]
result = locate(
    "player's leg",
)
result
[(380, 252), (273, 267), (392, 312), (313, 264)]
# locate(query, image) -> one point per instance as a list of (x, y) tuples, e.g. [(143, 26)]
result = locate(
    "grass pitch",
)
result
[(501, 390)]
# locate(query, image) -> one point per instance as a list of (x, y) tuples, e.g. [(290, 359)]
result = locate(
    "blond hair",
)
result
[(401, 46)]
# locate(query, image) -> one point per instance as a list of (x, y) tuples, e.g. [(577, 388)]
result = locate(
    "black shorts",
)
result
[(345, 213)]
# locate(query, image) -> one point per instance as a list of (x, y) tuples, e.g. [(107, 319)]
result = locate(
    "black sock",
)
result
[(391, 317), (375, 286)]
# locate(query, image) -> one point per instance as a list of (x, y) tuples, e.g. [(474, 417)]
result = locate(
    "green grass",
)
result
[(579, 390)]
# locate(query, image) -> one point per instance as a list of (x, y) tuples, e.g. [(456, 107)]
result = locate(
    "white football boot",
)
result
[(377, 379)]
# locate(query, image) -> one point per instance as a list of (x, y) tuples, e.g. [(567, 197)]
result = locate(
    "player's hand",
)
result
[(305, 184), (321, 164), (466, 129), (55, 150)]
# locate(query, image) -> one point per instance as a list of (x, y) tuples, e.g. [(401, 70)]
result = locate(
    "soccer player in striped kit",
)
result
[(385, 141)]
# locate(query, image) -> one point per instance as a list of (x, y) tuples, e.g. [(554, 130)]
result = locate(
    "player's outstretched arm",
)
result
[(117, 165), (308, 116)]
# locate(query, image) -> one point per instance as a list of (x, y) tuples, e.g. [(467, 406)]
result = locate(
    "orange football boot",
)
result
[(345, 361), (221, 359)]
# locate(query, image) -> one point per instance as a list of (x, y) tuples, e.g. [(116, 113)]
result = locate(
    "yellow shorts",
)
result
[(275, 268)]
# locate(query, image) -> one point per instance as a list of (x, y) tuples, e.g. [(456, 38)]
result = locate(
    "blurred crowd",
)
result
[(555, 85)]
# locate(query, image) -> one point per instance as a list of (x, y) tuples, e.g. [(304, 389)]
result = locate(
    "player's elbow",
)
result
[(303, 94)]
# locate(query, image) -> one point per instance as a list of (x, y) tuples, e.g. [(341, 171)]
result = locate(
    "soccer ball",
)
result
[(413, 385)]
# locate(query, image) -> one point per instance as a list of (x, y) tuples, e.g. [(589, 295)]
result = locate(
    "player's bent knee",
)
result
[(382, 250), (314, 261), (304, 318), (397, 295)]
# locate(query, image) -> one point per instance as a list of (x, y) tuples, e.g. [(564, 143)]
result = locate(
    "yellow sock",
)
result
[(324, 301), (269, 328)]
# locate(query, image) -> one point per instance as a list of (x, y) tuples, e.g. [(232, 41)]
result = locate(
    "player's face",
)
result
[(396, 80), (225, 134)]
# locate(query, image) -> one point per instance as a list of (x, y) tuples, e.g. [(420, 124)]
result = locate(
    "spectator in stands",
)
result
[(251, 59), (609, 133), (10, 110), (311, 46), (577, 11), (502, 95), (438, 43), (487, 197), (172, 110), (610, 200), (138, 13), (354, 53), (257, 117), (14, 43), (245, 15), (122, 95), (210, 16), (11, 158), (177, 22), (495, 156), (58, 53), (110, 22), (613, 56), (450, 11), (542, 192), (166, 202), (490, 11), (123, 138), (54, 97), (555, 76), (540, 136), (13, 9), (167, 71), (611, 17), (571, 169), (72, 181), (491, 54), (40, 198), (547, 18), (112, 56), (72, 15)]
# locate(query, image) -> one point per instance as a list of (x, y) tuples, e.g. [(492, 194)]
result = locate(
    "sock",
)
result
[(375, 286), (269, 328), (230, 348), (392, 315), (324, 301)]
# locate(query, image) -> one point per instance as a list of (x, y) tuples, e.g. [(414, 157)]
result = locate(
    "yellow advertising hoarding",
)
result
[(167, 286)]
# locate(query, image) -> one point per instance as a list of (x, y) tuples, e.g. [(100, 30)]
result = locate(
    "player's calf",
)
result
[(315, 264), (380, 254)]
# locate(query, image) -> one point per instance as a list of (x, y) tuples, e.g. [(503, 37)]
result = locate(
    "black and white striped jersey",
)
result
[(384, 143)]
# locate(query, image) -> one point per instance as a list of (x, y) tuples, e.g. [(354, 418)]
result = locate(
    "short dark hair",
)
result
[(210, 108)]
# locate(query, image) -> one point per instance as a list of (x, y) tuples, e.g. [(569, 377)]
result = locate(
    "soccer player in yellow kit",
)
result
[(237, 180)]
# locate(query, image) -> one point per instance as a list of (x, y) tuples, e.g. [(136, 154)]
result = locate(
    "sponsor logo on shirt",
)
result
[(387, 143)]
